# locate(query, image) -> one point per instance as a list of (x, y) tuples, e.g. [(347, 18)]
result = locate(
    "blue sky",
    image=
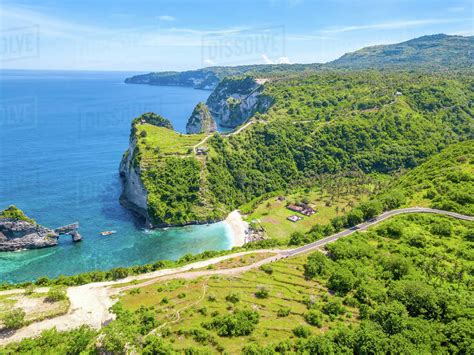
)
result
[(179, 35)]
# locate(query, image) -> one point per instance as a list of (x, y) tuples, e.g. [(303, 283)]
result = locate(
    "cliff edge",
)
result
[(201, 120)]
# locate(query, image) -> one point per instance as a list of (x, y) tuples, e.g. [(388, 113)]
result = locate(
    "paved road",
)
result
[(370, 223), (90, 303)]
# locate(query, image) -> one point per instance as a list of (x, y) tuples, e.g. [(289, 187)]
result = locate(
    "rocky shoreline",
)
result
[(18, 232)]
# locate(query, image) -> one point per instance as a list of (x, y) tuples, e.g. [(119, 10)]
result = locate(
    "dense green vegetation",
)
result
[(15, 213), (405, 286), (153, 119), (427, 52), (331, 122), (320, 124), (173, 192), (445, 181), (435, 51), (170, 173), (411, 279)]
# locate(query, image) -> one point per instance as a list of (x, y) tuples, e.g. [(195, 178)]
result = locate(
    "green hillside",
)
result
[(428, 52), (435, 51), (319, 124), (445, 181), (405, 286), (332, 122)]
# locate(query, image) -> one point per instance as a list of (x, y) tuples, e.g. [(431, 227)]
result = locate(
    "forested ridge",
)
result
[(319, 123), (331, 122)]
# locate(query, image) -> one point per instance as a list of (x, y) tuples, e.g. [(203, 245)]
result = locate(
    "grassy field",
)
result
[(158, 141), (272, 214), (183, 305)]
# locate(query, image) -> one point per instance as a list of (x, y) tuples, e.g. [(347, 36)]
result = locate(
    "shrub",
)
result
[(29, 290), (267, 269), (232, 298), (393, 200), (314, 317), (56, 294), (302, 331), (317, 264), (14, 319), (135, 291), (443, 229), (262, 292), (203, 311), (342, 281), (371, 209), (354, 217), (238, 324), (283, 312), (334, 308), (156, 345)]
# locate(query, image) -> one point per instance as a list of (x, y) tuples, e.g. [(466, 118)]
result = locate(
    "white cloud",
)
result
[(167, 18), (284, 60), (280, 60), (209, 62), (266, 60), (389, 25)]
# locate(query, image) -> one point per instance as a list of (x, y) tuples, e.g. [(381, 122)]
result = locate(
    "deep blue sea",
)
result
[(62, 135)]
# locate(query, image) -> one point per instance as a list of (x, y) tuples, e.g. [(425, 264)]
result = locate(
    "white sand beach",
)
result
[(238, 227)]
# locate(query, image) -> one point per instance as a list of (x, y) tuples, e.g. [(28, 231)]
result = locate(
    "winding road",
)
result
[(90, 303)]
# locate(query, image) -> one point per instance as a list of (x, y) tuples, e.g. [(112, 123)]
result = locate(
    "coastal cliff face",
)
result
[(201, 120), (165, 177), (235, 100), (18, 232), (164, 180), (134, 194)]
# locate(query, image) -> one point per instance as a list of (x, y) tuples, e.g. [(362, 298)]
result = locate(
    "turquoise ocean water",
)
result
[(62, 135)]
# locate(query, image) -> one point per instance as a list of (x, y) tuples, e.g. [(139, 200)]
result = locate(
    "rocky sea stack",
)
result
[(201, 120), (18, 232)]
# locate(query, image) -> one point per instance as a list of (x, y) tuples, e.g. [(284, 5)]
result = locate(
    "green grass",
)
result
[(168, 142), (272, 214), (184, 305), (288, 288), (445, 181)]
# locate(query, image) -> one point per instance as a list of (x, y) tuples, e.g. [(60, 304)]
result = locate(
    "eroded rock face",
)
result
[(134, 195), (17, 234), (235, 100), (201, 120)]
